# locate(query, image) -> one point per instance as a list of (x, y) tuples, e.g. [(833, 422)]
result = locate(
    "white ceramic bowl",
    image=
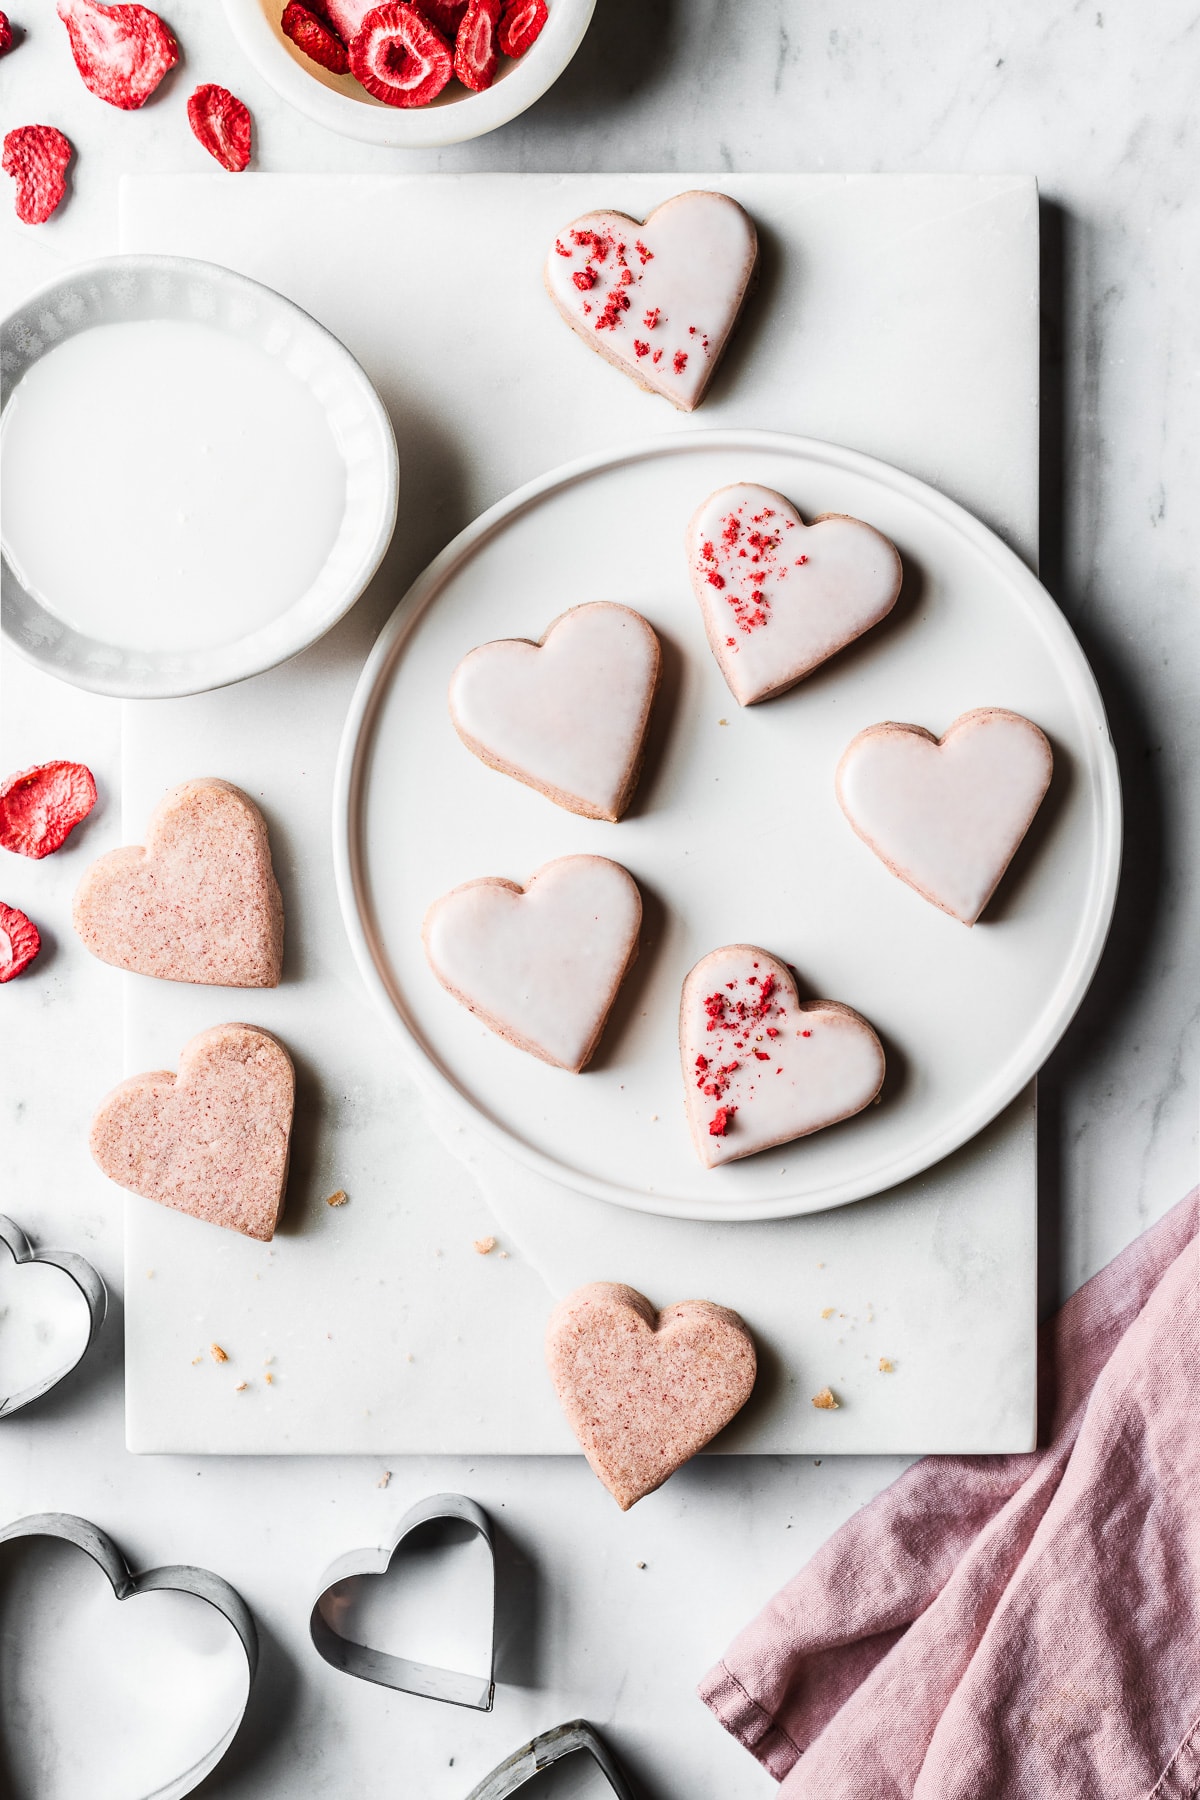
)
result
[(339, 102), (120, 289)]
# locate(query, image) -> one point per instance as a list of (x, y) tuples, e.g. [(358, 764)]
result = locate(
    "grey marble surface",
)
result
[(1098, 103)]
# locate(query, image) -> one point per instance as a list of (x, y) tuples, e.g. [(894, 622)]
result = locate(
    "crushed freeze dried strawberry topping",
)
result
[(680, 361), (521, 25), (315, 36), (736, 1019), (220, 122), (399, 57), (652, 318), (40, 807), (584, 279), (641, 348), (36, 156), (122, 52), (718, 1125), (19, 941), (753, 554)]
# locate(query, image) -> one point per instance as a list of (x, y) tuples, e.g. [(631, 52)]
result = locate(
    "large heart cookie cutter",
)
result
[(202, 1584), (541, 1752), (88, 1283), (399, 1672)]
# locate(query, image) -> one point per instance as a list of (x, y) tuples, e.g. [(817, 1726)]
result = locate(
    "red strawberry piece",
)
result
[(122, 52), (476, 54), (319, 42), (521, 24), (6, 35), (399, 57), (343, 16), (19, 941), (447, 15), (221, 122), (36, 156), (40, 808)]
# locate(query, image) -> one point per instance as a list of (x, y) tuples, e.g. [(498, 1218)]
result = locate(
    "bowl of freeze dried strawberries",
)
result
[(411, 73)]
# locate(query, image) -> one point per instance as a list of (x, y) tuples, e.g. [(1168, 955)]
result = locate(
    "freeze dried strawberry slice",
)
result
[(521, 24), (345, 17), (476, 55), (36, 156), (319, 41), (221, 122), (122, 52), (447, 15), (399, 57), (19, 941), (6, 35), (40, 807)]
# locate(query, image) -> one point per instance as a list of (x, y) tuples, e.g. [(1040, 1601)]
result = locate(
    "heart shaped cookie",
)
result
[(946, 814), (540, 965), (211, 1141), (761, 1066), (200, 903), (779, 597), (643, 1391), (658, 300), (567, 715)]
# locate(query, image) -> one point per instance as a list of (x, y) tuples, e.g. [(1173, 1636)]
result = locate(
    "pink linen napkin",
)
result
[(1013, 1627)]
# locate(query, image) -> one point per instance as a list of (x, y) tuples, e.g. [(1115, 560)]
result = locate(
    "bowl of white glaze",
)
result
[(197, 479), (339, 102)]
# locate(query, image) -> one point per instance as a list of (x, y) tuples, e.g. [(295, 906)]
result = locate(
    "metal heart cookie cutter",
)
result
[(380, 1666), (550, 1748), (200, 1584), (86, 1281)]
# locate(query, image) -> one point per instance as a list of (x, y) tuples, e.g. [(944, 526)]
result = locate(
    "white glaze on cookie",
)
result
[(568, 715), (760, 1066), (779, 597), (946, 815), (660, 299), (540, 965)]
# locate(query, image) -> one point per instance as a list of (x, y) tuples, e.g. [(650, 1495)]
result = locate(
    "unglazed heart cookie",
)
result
[(657, 300), (761, 1066), (644, 1391), (567, 715), (946, 815), (211, 1141), (199, 903), (779, 597), (541, 964)]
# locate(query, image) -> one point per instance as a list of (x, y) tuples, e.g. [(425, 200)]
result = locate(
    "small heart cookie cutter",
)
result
[(380, 1666), (175, 1578), (86, 1280), (541, 1752)]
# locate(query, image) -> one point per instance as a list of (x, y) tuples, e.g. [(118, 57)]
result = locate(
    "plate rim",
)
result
[(113, 685), (348, 786)]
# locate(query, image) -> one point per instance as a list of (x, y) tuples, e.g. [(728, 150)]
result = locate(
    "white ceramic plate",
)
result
[(735, 833), (122, 289), (342, 104)]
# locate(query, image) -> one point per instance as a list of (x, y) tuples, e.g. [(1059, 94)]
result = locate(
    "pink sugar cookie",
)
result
[(947, 814), (643, 1391), (658, 300), (761, 1066), (211, 1141), (199, 903)]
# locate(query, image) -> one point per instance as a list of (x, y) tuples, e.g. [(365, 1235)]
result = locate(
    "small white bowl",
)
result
[(121, 289), (339, 102)]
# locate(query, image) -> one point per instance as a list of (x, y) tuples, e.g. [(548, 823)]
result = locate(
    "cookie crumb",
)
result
[(197, 1359), (384, 1479), (267, 1361), (827, 1312), (485, 1245), (149, 1274), (722, 721), (886, 1366), (639, 1565), (241, 1387), (824, 1401), (337, 1199), (218, 1355)]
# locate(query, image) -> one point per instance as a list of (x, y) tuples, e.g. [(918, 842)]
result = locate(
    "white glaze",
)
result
[(770, 616), (825, 1064), (946, 817), (569, 715), (167, 486), (540, 965), (702, 251)]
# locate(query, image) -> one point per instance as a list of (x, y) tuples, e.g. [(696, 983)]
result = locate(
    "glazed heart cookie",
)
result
[(199, 903), (658, 300), (779, 597), (540, 965), (567, 715), (946, 814), (211, 1141), (761, 1066), (643, 1391)]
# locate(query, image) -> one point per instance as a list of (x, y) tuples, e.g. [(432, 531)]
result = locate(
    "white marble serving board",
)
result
[(898, 315)]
